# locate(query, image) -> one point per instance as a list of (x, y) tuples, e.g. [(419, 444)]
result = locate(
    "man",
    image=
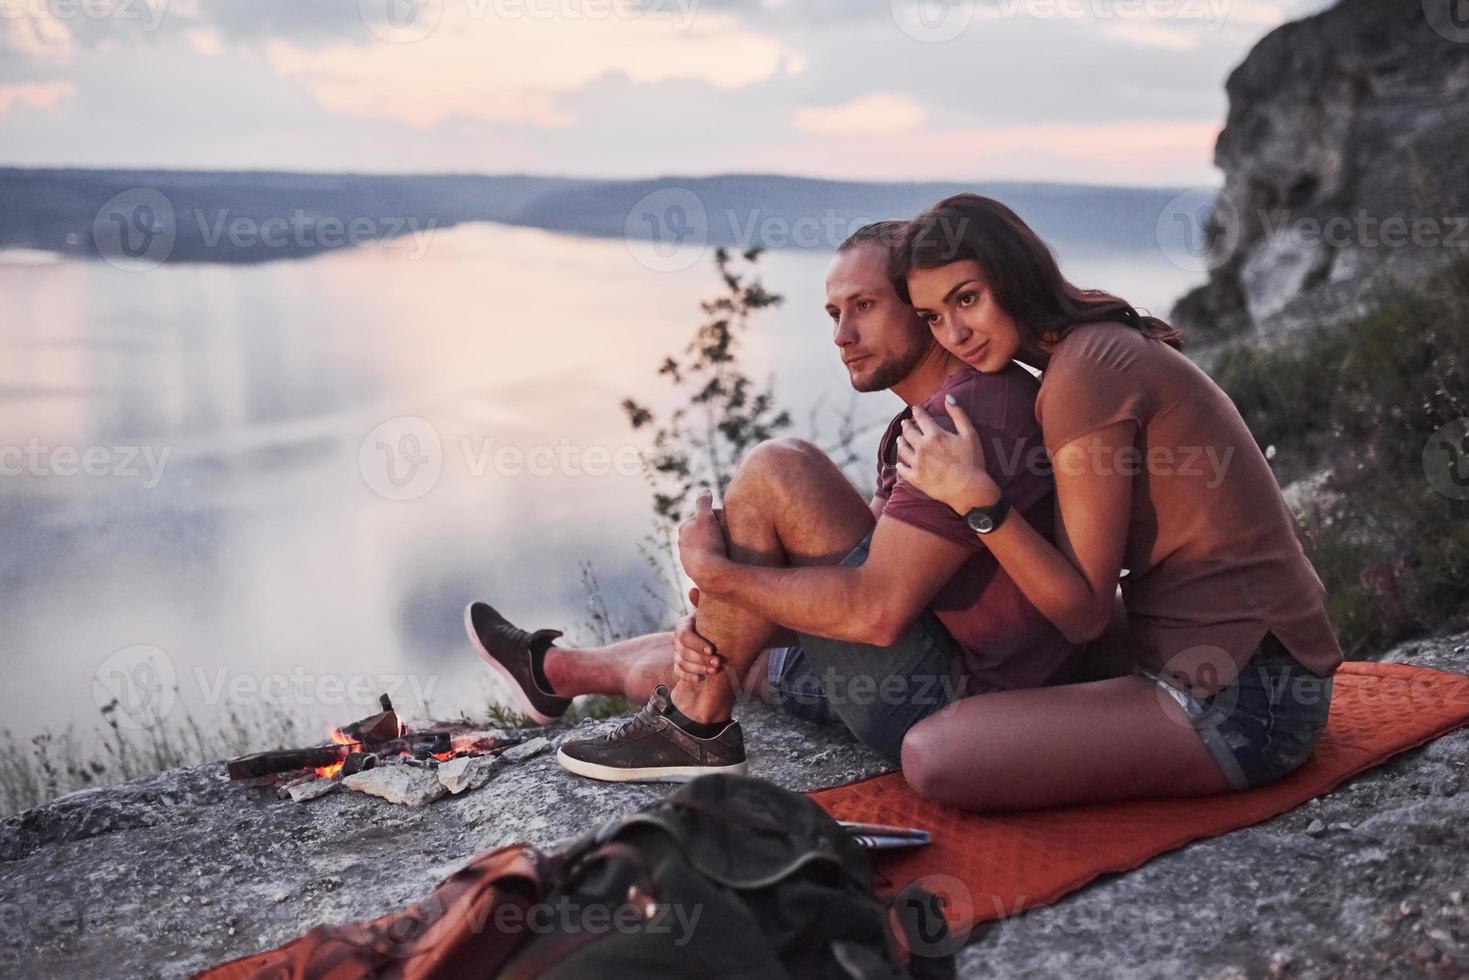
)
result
[(884, 611)]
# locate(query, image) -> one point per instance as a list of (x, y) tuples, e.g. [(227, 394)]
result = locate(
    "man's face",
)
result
[(880, 338)]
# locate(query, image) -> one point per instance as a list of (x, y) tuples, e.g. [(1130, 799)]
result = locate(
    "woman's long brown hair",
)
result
[(1018, 267)]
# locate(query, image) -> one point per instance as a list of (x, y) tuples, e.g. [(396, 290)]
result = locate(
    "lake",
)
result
[(279, 483)]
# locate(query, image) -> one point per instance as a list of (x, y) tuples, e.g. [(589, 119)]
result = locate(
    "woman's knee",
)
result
[(923, 760)]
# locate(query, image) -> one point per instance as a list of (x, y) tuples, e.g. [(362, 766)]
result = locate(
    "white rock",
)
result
[(469, 772), (301, 792), (525, 750), (398, 784)]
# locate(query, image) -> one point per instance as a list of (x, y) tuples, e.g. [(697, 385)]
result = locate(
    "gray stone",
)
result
[(523, 751), (94, 879), (1316, 828), (398, 784), (468, 773), (313, 789)]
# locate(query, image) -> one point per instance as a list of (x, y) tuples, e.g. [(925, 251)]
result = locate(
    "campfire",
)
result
[(382, 756)]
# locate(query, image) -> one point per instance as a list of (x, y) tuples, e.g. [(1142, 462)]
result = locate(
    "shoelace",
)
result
[(644, 719)]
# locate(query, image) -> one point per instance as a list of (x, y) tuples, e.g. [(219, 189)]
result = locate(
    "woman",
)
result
[(1155, 473)]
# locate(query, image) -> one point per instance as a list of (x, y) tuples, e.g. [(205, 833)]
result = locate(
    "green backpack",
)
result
[(727, 876)]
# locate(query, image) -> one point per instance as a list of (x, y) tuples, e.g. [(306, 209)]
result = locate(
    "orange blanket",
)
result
[(995, 866)]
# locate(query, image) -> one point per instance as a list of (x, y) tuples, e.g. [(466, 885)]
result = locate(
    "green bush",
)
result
[(1363, 398)]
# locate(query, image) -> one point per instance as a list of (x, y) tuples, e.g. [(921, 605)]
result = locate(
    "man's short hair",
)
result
[(882, 233)]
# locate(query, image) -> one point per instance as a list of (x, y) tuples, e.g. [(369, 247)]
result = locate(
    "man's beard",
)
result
[(893, 370)]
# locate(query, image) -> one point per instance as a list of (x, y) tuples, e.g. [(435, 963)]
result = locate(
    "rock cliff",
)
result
[(1344, 165)]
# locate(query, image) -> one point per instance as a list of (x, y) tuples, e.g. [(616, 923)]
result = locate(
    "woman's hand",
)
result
[(693, 656), (947, 466), (701, 546)]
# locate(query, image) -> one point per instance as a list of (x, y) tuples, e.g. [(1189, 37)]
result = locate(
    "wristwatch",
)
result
[(983, 520)]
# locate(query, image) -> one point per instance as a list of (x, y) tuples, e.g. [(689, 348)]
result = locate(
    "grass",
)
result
[(1363, 398)]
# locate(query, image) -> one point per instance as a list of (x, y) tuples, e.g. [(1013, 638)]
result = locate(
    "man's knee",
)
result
[(777, 461)]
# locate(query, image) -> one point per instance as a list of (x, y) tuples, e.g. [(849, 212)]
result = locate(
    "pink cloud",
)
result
[(1131, 152), (34, 95)]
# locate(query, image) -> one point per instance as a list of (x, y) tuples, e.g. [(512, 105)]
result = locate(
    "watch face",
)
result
[(982, 523)]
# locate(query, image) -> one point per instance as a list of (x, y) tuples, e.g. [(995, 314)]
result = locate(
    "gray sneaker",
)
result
[(649, 747)]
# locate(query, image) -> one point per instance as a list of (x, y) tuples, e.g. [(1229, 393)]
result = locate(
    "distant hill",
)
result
[(259, 216)]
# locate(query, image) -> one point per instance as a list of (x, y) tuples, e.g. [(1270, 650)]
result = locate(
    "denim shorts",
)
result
[(1265, 722), (878, 692)]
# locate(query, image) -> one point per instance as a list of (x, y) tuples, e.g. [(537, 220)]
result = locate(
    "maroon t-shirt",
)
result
[(1007, 642)]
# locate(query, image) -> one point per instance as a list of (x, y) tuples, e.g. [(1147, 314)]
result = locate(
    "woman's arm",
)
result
[(1073, 582)]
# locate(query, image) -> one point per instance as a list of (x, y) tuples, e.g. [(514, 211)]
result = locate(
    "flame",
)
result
[(327, 772)]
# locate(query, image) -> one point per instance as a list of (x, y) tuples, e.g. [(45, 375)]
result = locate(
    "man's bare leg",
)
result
[(631, 668), (788, 504)]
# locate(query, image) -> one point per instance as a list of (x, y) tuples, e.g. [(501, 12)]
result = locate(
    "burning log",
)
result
[(364, 745), (286, 760), (381, 727)]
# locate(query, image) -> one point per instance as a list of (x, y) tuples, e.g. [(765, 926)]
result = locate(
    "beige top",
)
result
[(1212, 555)]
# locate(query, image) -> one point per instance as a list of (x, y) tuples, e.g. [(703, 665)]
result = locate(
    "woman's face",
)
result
[(957, 305)]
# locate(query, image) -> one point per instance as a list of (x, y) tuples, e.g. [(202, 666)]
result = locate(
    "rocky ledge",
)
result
[(166, 875), (1342, 160)]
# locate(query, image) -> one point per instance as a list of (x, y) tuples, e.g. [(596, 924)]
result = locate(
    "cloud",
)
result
[(1131, 152), (512, 69), (877, 114), (34, 95), (206, 41)]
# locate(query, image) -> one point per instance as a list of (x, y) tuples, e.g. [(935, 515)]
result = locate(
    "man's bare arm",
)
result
[(868, 603)]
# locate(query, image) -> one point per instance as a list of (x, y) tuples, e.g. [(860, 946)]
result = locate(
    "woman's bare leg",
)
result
[(1112, 739), (631, 667)]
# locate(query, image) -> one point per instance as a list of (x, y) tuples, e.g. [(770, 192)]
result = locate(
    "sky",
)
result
[(1126, 92)]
